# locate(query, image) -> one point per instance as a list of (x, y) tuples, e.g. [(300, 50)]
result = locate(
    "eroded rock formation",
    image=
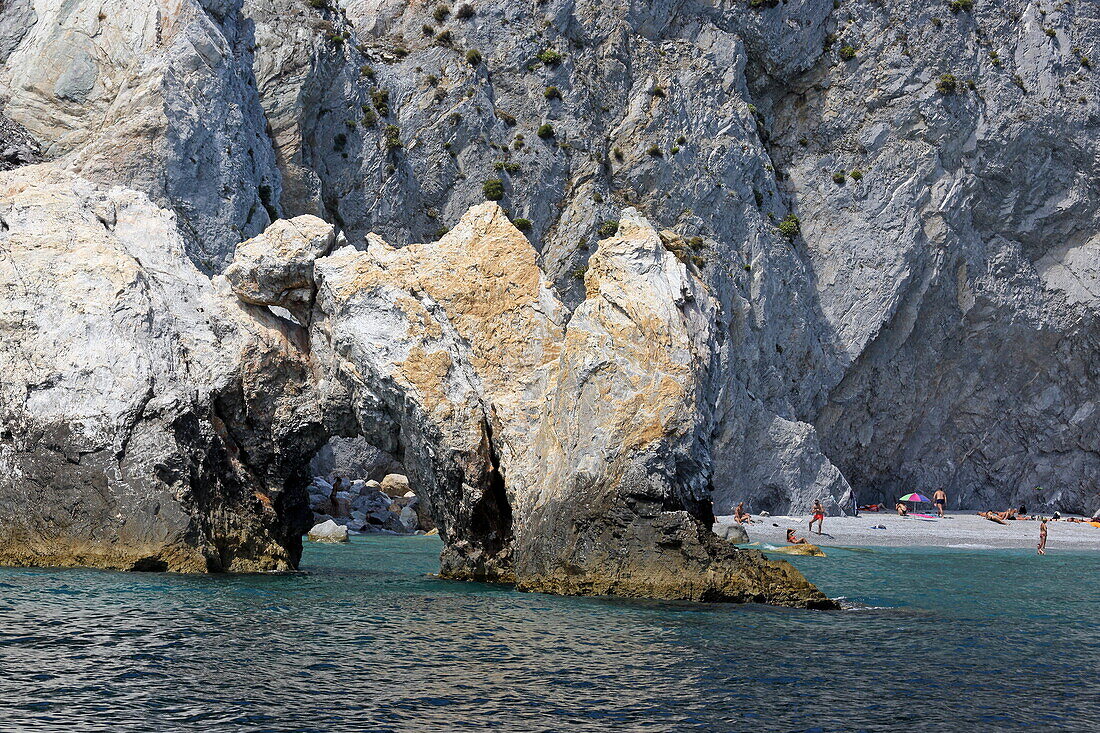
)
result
[(565, 456), (156, 419), (148, 418)]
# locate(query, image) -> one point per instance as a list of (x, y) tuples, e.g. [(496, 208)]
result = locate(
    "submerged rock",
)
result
[(801, 549)]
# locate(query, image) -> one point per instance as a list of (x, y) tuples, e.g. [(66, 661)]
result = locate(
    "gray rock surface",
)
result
[(929, 320), (734, 533), (148, 418), (16, 146), (353, 457)]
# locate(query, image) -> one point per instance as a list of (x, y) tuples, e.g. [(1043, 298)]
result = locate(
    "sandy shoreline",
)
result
[(962, 530)]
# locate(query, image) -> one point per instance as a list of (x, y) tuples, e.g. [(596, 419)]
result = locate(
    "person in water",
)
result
[(940, 500), (741, 515), (794, 539), (819, 516), (1043, 536)]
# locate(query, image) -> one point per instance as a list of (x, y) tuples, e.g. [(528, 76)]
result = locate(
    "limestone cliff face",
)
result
[(928, 320), (148, 419)]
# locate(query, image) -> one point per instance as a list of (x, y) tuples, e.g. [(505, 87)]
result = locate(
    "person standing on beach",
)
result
[(819, 516), (940, 500), (1043, 537)]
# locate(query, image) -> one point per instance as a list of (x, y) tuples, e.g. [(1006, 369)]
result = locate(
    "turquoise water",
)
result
[(365, 640)]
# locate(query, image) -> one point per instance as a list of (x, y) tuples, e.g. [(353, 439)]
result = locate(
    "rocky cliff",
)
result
[(886, 214)]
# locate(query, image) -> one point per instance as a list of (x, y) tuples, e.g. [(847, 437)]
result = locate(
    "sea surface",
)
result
[(365, 639)]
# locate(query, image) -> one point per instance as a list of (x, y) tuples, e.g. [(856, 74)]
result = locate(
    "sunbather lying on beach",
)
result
[(794, 539), (871, 508)]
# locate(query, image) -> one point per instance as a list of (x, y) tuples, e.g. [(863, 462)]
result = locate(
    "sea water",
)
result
[(367, 639)]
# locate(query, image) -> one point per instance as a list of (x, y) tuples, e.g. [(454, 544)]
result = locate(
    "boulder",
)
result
[(394, 484), (328, 531), (275, 268), (409, 519), (733, 532)]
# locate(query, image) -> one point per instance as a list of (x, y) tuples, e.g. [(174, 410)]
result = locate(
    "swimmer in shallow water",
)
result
[(794, 539)]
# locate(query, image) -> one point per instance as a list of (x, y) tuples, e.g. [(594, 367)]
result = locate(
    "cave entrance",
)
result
[(360, 486)]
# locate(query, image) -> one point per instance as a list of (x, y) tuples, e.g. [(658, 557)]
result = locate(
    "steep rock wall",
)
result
[(148, 419)]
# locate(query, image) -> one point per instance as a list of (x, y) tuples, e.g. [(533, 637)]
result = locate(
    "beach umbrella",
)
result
[(914, 497)]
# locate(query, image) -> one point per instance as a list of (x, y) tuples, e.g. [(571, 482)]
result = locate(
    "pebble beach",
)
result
[(962, 530)]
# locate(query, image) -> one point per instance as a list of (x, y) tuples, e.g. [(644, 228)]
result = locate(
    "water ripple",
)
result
[(366, 640)]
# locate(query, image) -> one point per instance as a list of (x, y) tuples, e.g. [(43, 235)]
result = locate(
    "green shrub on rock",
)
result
[(550, 57), (789, 226), (493, 189)]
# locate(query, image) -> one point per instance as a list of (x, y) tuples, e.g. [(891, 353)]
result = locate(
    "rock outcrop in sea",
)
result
[(846, 251)]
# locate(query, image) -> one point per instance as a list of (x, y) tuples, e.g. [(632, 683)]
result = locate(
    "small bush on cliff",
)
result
[(550, 57), (847, 53), (465, 11), (380, 98), (947, 84), (440, 13), (839, 178), (857, 175), (493, 189), (524, 225), (789, 226), (545, 130), (552, 93), (958, 5), (608, 228), (473, 57), (393, 137)]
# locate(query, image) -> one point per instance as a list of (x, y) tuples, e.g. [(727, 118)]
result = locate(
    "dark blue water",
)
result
[(366, 641)]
